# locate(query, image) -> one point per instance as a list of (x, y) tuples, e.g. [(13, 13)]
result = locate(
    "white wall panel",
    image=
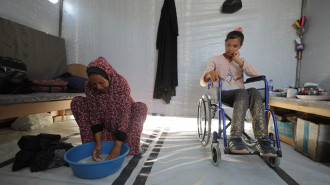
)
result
[(38, 14), (124, 31), (315, 66)]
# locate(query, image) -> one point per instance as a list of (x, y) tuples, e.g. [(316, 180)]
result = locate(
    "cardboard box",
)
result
[(313, 139), (286, 131)]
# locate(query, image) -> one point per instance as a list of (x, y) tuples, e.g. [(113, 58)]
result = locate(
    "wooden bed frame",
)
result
[(24, 109)]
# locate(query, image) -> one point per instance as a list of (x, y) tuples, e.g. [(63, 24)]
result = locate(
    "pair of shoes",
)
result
[(265, 149), (237, 146)]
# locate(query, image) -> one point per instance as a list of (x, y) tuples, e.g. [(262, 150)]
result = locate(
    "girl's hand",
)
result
[(97, 155), (115, 152), (236, 58), (213, 76)]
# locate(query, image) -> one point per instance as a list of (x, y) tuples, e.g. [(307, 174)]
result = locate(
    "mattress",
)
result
[(6, 99)]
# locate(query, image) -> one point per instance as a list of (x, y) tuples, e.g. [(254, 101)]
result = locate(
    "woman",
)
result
[(108, 113)]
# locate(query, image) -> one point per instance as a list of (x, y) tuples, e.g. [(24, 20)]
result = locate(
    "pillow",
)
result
[(76, 84)]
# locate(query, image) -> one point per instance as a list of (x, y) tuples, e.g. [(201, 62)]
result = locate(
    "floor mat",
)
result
[(173, 155)]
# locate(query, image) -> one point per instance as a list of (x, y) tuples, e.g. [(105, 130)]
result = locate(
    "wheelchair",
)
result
[(210, 103)]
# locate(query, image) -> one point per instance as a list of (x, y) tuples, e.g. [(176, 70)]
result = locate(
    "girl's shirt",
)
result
[(221, 65), (230, 83)]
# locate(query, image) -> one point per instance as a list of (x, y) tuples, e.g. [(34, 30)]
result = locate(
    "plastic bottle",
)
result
[(270, 85)]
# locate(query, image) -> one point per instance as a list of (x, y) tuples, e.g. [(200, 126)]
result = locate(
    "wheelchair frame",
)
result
[(204, 125)]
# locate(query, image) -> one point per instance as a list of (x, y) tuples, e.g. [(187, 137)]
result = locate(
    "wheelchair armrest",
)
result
[(255, 79)]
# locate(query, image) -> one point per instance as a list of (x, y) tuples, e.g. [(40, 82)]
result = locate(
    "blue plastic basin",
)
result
[(95, 169)]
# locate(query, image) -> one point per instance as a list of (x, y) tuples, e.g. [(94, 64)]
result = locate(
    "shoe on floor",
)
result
[(237, 146), (265, 148), (141, 152)]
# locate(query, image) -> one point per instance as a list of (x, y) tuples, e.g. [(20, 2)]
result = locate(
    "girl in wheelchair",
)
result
[(230, 67)]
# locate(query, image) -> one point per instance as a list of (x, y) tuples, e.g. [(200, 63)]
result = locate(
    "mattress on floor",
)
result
[(6, 99)]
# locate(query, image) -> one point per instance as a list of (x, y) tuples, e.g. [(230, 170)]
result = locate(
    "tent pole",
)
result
[(60, 19)]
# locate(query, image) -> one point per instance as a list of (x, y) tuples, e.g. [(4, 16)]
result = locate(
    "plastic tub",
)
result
[(95, 169)]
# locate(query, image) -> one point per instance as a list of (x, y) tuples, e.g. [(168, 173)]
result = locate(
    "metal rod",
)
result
[(60, 19), (299, 53)]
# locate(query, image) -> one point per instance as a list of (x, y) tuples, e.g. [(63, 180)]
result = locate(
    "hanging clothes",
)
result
[(167, 68)]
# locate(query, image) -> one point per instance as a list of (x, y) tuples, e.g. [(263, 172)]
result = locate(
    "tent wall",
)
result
[(124, 31), (38, 14), (315, 66)]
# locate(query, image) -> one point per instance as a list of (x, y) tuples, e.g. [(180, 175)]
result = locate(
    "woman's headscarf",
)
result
[(117, 83)]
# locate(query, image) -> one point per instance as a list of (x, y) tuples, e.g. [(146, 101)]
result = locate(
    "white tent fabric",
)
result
[(181, 159), (125, 31), (38, 14)]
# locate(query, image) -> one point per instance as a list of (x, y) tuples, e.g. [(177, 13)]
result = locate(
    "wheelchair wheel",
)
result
[(274, 162), (204, 120), (216, 154)]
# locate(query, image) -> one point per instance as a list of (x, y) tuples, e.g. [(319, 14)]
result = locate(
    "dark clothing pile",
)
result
[(167, 69), (40, 152)]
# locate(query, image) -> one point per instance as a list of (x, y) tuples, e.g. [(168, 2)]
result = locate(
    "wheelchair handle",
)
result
[(255, 79), (211, 82)]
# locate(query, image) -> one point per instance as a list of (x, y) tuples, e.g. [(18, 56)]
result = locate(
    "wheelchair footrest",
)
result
[(227, 151), (240, 154)]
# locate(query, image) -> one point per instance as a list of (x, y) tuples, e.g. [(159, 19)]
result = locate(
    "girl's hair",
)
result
[(235, 35)]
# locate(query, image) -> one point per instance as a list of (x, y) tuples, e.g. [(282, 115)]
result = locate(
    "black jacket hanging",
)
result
[(167, 70)]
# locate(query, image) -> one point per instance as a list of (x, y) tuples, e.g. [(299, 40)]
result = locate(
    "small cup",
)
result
[(291, 92)]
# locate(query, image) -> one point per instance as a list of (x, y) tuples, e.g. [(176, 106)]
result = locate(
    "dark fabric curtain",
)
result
[(167, 70)]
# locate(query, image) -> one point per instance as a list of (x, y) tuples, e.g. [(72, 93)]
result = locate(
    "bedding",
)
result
[(6, 99), (45, 58)]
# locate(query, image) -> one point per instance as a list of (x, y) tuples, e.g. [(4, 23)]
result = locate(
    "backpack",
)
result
[(13, 76)]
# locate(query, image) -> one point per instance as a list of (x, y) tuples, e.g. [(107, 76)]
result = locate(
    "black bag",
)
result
[(231, 6), (12, 76)]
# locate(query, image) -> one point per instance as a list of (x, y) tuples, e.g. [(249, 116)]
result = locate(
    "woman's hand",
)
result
[(115, 152), (97, 151), (212, 75), (97, 154)]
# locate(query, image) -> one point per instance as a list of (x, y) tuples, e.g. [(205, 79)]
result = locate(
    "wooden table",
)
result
[(321, 108)]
